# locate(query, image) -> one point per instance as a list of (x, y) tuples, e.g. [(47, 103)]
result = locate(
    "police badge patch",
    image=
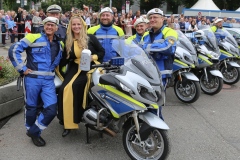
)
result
[(171, 41), (156, 10)]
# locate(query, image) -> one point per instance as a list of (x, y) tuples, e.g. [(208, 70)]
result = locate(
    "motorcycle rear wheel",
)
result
[(157, 145), (188, 94), (212, 87), (230, 77)]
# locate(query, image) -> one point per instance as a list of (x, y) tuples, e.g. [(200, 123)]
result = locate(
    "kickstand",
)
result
[(87, 134)]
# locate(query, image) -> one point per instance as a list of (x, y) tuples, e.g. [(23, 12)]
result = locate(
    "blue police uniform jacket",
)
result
[(61, 32), (162, 46), (42, 56), (105, 35)]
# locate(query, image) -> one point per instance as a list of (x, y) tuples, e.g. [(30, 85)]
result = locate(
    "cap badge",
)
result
[(156, 10)]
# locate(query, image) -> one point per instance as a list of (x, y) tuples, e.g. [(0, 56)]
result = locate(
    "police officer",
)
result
[(55, 11), (106, 32), (140, 25), (44, 51), (218, 24), (161, 44)]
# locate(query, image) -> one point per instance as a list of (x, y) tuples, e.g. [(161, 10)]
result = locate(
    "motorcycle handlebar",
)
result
[(105, 64)]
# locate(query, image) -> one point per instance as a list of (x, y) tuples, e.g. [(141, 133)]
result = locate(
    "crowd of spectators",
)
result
[(13, 23), (192, 23)]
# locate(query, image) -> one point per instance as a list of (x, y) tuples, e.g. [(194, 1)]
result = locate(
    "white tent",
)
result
[(238, 9), (205, 5)]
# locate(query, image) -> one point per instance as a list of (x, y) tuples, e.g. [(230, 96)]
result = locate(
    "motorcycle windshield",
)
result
[(210, 38), (185, 43), (228, 37), (136, 59)]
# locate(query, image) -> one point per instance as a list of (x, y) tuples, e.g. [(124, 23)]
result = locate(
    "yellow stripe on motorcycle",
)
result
[(115, 115), (204, 59), (226, 53), (182, 63), (155, 106), (209, 55), (109, 88)]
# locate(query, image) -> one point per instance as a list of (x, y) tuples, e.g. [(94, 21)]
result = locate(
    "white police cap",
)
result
[(139, 20), (51, 19), (54, 9), (154, 11), (218, 20), (106, 9)]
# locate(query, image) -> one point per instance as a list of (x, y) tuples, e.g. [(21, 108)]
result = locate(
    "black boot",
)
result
[(66, 132), (38, 141)]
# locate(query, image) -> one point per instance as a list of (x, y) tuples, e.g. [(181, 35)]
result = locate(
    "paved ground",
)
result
[(205, 130)]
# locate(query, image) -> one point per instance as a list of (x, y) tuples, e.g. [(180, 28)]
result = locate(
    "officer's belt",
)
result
[(42, 73), (166, 72)]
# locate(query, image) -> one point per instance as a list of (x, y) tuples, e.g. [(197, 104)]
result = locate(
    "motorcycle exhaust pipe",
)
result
[(110, 132)]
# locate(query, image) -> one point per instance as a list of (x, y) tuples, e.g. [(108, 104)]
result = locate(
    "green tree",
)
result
[(146, 5)]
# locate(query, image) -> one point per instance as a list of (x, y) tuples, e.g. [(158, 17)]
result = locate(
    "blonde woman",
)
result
[(72, 94)]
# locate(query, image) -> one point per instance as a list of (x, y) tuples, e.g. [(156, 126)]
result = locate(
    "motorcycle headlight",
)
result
[(147, 93), (125, 88), (214, 55)]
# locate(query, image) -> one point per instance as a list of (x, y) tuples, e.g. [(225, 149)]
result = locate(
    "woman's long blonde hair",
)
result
[(82, 40)]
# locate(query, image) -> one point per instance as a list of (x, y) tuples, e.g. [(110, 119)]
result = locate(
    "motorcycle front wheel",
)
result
[(155, 147), (187, 93), (231, 76), (211, 87)]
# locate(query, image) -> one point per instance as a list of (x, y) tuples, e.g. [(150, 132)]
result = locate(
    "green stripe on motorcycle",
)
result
[(228, 54), (204, 59), (155, 106), (109, 88), (182, 63)]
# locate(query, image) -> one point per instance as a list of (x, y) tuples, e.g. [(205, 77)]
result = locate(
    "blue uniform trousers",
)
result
[(35, 87)]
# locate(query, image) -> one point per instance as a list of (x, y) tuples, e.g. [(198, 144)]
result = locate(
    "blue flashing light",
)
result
[(117, 61), (201, 42), (194, 40), (222, 37)]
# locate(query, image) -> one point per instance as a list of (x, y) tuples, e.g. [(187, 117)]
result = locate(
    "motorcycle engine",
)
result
[(90, 117)]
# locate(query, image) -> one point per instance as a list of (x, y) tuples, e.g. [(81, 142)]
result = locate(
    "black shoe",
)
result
[(66, 132), (38, 141)]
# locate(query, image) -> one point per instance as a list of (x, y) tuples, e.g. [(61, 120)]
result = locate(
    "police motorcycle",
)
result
[(211, 79), (121, 98), (229, 55), (186, 84), (234, 30)]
